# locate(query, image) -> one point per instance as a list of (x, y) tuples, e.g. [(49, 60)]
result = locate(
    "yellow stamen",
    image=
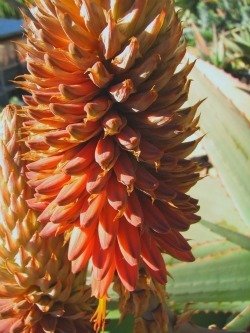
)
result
[(100, 315)]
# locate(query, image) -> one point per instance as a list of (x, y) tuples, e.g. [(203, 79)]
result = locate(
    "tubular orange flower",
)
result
[(106, 132)]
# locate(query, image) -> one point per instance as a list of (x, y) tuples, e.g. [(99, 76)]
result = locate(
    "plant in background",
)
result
[(105, 133), (10, 8), (38, 292), (216, 23), (228, 50), (241, 40)]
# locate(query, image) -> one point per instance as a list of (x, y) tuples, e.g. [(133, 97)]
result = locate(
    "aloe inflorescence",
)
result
[(38, 291), (106, 136)]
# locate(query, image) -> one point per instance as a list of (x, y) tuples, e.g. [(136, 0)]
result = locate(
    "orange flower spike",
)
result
[(105, 130), (33, 269)]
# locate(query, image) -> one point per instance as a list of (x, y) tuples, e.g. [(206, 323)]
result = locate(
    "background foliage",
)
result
[(220, 29), (9, 9)]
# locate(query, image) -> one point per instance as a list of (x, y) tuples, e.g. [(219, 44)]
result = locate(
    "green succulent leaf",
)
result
[(227, 137), (241, 321), (212, 283), (232, 236)]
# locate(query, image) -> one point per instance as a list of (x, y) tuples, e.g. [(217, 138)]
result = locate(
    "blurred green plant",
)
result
[(229, 50), (10, 8), (220, 31)]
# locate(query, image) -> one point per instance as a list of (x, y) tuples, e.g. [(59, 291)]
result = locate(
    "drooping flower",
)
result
[(107, 134), (38, 292)]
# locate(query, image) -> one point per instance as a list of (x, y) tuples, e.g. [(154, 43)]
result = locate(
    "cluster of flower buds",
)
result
[(106, 151)]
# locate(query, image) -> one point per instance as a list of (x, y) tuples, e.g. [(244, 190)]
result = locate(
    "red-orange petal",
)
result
[(129, 241), (126, 272), (152, 257), (91, 211), (108, 226), (124, 171), (116, 194), (72, 191), (80, 262), (106, 152), (52, 184), (133, 212)]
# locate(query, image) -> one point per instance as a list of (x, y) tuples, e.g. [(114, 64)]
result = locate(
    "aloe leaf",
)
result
[(215, 206), (241, 321), (215, 248), (207, 249), (227, 135), (216, 279), (225, 307), (232, 236)]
